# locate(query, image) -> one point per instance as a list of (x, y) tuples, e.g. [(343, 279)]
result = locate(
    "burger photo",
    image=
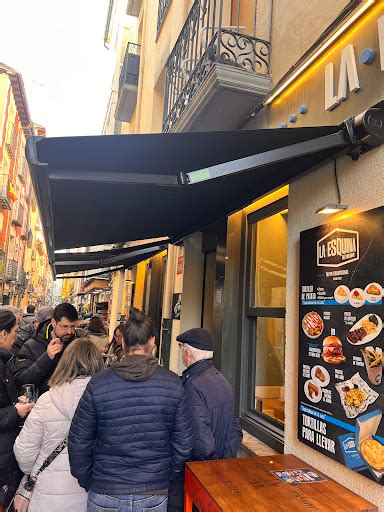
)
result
[(333, 350)]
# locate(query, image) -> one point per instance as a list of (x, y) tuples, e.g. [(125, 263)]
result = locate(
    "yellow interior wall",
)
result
[(139, 285)]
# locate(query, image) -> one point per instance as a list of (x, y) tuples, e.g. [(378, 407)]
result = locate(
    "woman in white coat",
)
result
[(56, 489)]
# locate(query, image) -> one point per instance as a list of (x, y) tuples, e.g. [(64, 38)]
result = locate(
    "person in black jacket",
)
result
[(216, 429), (27, 332), (131, 433), (10, 410), (28, 317), (37, 359)]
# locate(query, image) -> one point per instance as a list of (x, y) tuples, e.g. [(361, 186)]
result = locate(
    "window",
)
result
[(264, 341)]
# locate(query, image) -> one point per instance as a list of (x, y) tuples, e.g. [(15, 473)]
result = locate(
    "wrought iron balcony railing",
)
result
[(5, 192), (162, 12), (28, 194), (130, 70), (25, 229), (11, 270), (18, 214), (22, 171), (11, 139), (204, 41), (21, 278), (29, 236)]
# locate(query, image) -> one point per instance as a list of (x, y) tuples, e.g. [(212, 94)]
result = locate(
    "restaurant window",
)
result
[(263, 386)]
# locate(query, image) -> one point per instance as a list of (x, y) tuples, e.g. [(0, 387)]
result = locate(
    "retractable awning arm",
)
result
[(361, 133)]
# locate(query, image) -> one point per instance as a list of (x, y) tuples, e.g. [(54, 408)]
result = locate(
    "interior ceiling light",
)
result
[(330, 208), (325, 45)]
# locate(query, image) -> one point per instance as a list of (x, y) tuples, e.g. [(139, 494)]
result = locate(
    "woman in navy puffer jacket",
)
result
[(131, 433)]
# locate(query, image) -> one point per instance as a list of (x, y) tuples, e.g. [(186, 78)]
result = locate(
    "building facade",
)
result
[(24, 270), (247, 64)]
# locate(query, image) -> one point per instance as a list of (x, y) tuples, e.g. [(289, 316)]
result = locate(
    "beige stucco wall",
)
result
[(362, 188), (295, 27)]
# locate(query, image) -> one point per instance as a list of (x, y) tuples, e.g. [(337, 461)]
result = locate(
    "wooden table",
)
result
[(242, 485)]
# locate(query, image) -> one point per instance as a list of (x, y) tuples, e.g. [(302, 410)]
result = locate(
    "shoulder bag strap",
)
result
[(52, 457)]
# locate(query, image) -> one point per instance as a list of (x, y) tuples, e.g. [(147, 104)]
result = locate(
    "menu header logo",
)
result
[(338, 248)]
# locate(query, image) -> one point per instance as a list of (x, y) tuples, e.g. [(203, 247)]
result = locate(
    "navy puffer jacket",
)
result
[(216, 429), (131, 432)]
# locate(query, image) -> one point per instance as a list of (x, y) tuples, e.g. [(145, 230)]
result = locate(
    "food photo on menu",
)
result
[(341, 342), (332, 350)]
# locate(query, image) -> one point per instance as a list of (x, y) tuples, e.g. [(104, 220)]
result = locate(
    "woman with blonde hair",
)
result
[(46, 429)]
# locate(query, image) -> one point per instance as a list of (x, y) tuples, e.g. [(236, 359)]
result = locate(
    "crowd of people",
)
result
[(106, 427)]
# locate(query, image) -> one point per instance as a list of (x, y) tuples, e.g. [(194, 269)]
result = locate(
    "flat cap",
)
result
[(197, 338)]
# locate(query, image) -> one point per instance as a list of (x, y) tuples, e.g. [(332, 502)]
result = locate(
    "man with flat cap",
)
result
[(216, 430)]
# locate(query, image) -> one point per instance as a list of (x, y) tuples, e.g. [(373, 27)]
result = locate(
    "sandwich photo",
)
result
[(333, 350)]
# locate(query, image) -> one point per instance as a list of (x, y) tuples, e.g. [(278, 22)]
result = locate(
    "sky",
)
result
[(58, 47)]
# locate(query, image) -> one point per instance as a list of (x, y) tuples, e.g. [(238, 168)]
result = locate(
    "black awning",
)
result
[(110, 189), (66, 263)]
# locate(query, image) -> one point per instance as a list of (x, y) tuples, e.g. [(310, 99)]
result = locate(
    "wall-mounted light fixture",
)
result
[(320, 51), (330, 208)]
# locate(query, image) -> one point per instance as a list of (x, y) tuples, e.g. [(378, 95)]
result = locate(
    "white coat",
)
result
[(44, 429)]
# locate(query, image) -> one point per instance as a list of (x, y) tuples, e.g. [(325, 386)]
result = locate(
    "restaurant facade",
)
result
[(276, 245)]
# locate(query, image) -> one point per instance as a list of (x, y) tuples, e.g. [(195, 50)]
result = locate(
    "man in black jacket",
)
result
[(38, 358), (216, 429)]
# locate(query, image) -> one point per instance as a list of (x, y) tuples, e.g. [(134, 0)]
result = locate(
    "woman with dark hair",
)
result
[(131, 434), (10, 410), (98, 333), (115, 349)]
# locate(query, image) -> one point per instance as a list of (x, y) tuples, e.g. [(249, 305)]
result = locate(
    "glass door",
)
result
[(264, 344)]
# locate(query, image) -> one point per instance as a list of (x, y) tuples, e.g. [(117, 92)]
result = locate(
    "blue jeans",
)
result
[(130, 503)]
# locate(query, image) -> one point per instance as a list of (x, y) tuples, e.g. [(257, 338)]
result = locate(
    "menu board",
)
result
[(341, 342)]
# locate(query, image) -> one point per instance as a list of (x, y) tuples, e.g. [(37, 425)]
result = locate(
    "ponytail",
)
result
[(138, 329)]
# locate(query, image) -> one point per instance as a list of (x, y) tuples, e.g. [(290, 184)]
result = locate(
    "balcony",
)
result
[(18, 214), (28, 194), (11, 139), (6, 189), (129, 79), (218, 69), (21, 278), (2, 265), (22, 171), (11, 270), (29, 237), (26, 232), (162, 13)]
